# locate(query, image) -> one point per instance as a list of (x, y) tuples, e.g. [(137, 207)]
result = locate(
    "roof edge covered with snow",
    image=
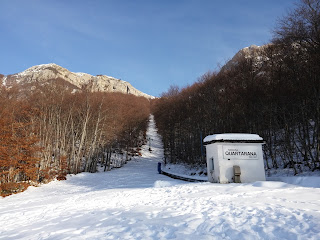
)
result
[(233, 137)]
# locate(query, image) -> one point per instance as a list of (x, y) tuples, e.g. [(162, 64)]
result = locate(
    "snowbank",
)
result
[(313, 182), (183, 171)]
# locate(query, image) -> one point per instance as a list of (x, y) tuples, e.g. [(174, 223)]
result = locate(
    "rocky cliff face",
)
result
[(53, 73)]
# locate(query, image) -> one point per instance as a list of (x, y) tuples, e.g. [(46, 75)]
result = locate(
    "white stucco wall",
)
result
[(248, 156)]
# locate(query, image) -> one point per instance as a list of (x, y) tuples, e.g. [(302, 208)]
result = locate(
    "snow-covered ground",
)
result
[(135, 202)]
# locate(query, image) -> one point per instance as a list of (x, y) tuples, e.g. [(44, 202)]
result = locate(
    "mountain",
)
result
[(54, 74), (253, 52)]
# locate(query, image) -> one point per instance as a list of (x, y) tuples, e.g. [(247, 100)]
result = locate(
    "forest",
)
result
[(51, 132), (274, 91)]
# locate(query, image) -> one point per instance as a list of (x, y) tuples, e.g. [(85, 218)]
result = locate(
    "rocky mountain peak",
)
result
[(252, 52), (52, 73)]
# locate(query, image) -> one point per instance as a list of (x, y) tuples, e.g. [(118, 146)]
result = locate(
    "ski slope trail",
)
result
[(135, 202)]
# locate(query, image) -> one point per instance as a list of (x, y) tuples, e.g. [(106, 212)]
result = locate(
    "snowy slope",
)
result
[(135, 202)]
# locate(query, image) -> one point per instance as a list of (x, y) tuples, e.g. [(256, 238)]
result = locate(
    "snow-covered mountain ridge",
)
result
[(46, 73)]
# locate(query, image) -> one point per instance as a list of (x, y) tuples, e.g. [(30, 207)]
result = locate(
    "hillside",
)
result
[(49, 128), (272, 90), (54, 74)]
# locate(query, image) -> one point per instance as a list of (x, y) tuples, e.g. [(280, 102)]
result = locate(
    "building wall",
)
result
[(248, 156), (212, 162)]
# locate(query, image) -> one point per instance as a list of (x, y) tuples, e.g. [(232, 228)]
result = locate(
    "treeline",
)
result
[(273, 91), (52, 132)]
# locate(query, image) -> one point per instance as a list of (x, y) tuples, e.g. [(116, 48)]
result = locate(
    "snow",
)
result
[(37, 68), (4, 81), (195, 173), (301, 181), (232, 136), (135, 202), (81, 74)]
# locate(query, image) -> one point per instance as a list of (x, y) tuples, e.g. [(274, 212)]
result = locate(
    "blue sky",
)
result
[(150, 43)]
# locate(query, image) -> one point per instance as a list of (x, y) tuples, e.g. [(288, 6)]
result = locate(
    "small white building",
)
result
[(234, 157)]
